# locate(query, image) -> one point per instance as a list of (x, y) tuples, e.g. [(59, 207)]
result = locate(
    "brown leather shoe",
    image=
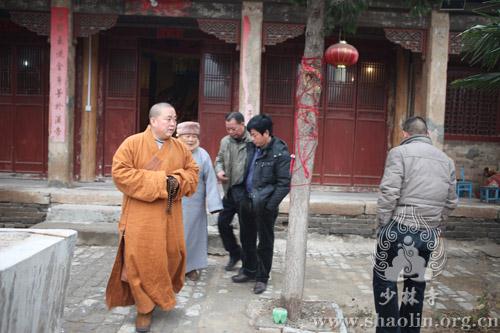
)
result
[(143, 322), (193, 275)]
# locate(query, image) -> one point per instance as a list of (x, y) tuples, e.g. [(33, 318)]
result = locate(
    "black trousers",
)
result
[(229, 209), (392, 318), (257, 258)]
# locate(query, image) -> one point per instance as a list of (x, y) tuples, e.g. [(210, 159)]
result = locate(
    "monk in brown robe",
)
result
[(154, 171)]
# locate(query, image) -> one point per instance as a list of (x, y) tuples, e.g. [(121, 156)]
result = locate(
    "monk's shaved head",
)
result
[(415, 125), (163, 120), (155, 110)]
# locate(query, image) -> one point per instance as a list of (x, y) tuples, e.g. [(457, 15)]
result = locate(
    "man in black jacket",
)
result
[(267, 182)]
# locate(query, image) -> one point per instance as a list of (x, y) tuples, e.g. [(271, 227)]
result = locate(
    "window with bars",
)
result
[(217, 85), (371, 93), (469, 111), (341, 86), (5, 70), (29, 70), (122, 71), (280, 80)]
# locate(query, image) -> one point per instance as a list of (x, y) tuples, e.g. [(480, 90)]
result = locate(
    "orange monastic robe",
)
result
[(152, 250)]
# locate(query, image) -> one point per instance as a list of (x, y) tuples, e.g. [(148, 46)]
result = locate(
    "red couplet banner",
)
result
[(58, 73)]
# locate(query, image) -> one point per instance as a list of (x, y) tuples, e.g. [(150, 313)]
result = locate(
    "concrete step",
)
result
[(102, 234), (106, 234), (85, 214)]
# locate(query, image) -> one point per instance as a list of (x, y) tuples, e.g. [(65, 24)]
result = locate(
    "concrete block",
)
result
[(370, 207), (100, 234), (34, 274), (87, 197), (285, 205), (70, 213), (477, 211), (338, 207), (24, 196), (215, 245)]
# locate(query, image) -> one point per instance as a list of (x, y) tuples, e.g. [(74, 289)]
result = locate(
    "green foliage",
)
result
[(481, 46), (344, 14), (421, 7)]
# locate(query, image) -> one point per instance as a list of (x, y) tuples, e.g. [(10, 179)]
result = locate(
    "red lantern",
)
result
[(341, 54)]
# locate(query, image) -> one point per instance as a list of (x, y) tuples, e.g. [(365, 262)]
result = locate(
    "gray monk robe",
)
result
[(194, 210)]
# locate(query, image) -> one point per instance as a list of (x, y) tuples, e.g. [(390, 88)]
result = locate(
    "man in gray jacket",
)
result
[(417, 193), (230, 170)]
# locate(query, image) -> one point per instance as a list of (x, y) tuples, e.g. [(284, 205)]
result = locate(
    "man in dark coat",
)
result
[(267, 182)]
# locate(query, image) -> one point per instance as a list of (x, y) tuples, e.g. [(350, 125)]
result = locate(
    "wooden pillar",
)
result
[(61, 99), (89, 108), (435, 72), (250, 58), (418, 87), (402, 93)]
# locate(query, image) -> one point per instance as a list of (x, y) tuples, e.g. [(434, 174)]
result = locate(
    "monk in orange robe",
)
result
[(154, 171)]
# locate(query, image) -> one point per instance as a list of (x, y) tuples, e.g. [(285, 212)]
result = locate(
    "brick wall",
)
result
[(364, 225), (21, 215), (474, 157)]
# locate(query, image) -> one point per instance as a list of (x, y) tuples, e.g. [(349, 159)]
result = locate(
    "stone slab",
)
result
[(105, 234), (370, 207), (337, 207), (87, 197), (477, 210), (34, 273), (83, 213), (24, 196)]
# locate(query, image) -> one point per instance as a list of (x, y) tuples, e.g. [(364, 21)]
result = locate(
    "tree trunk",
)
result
[(306, 140)]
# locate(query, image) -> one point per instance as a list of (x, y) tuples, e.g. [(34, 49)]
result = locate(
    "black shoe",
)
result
[(242, 277), (260, 287), (232, 262)]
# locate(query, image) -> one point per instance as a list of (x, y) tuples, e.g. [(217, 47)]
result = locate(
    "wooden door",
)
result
[(24, 107), (352, 125), (215, 94), (278, 93), (119, 119)]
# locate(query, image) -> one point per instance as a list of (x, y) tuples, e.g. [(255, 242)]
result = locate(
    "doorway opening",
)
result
[(169, 78)]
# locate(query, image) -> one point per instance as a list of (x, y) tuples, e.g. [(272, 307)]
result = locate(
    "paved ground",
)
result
[(338, 271)]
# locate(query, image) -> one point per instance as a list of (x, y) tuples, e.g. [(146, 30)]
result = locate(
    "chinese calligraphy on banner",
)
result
[(58, 73)]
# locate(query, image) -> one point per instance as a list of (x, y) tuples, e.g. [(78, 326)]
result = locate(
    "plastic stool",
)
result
[(464, 186), (489, 193)]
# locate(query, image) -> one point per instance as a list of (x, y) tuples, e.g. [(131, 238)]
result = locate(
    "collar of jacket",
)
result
[(269, 147), (417, 138), (246, 137)]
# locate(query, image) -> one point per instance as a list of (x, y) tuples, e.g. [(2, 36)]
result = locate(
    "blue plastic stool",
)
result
[(489, 193), (464, 186)]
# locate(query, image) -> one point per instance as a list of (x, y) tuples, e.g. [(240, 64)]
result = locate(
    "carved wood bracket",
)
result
[(84, 24), (229, 31), (226, 30), (415, 40), (410, 39), (37, 22), (275, 33)]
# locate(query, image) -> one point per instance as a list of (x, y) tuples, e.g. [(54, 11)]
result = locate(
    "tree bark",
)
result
[(306, 140)]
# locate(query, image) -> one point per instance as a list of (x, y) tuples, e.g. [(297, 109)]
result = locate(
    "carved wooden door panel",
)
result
[(24, 107), (352, 125), (119, 119), (215, 94)]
